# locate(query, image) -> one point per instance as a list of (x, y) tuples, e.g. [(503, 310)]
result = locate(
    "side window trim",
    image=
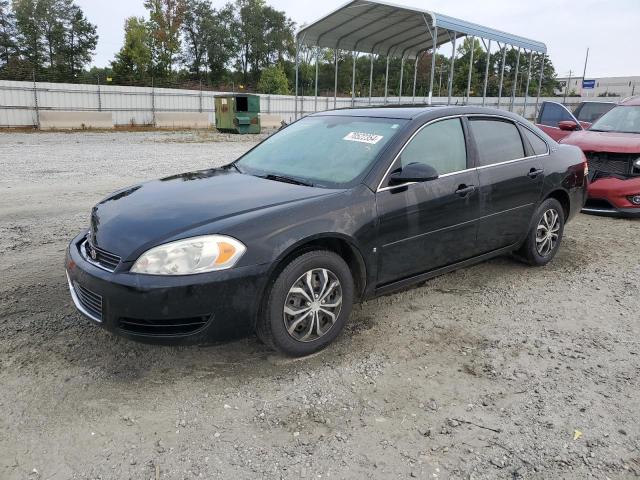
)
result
[(422, 127)]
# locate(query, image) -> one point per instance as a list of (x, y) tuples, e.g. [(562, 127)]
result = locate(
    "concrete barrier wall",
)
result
[(182, 120), (75, 120), (270, 121)]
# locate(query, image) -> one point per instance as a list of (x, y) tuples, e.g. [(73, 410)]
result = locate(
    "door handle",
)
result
[(464, 190), (535, 173)]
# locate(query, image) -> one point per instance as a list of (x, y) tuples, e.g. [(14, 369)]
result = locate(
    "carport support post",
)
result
[(415, 78), (515, 83), (401, 79), (297, 74), (371, 80), (353, 81), (153, 102), (473, 48), (486, 75), (504, 58), (100, 96), (526, 90), (535, 113), (35, 101), (386, 82), (335, 88), (315, 102), (453, 62), (434, 53)]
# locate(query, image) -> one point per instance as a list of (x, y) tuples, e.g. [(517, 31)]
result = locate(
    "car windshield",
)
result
[(327, 151), (620, 119)]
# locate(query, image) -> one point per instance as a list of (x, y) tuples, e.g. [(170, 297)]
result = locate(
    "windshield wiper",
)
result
[(234, 165), (285, 179)]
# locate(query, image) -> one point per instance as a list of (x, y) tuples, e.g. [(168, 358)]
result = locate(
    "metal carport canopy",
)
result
[(392, 30)]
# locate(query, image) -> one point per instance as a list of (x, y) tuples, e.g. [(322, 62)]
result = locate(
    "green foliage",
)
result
[(244, 42), (273, 80), (264, 36), (8, 41), (133, 63), (165, 23), (198, 23), (52, 37)]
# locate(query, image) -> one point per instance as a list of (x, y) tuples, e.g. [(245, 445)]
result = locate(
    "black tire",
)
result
[(531, 251), (271, 327)]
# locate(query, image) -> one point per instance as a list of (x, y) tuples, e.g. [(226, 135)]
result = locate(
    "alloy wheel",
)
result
[(312, 305), (548, 232)]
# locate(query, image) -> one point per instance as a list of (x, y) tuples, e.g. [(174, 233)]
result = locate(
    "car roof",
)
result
[(410, 112)]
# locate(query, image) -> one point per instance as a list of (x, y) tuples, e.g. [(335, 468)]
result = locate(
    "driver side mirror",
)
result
[(414, 172), (568, 126)]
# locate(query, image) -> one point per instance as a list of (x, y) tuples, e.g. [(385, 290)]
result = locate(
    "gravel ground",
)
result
[(496, 371)]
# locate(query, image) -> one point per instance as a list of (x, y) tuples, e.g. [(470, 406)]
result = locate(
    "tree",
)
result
[(29, 32), (133, 63), (265, 37), (273, 80), (196, 28), (166, 17), (222, 44), (82, 40), (8, 43), (54, 36)]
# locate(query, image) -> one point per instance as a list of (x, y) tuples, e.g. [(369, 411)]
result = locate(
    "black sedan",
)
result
[(337, 208)]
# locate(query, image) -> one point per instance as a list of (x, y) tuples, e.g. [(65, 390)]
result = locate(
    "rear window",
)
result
[(497, 141), (539, 146), (591, 111)]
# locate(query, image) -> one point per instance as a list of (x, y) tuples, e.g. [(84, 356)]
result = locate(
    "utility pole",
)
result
[(584, 74), (566, 90)]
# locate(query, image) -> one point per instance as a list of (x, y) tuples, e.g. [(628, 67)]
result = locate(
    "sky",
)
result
[(610, 29)]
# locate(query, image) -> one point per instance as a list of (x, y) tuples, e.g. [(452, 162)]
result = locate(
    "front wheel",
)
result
[(308, 304), (545, 236)]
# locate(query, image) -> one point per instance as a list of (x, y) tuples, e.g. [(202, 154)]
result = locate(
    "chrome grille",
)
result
[(92, 302), (611, 163), (99, 257)]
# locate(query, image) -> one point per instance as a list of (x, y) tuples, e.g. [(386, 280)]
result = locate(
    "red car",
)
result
[(612, 147), (558, 122)]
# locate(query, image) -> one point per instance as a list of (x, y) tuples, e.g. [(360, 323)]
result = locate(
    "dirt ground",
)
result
[(496, 371)]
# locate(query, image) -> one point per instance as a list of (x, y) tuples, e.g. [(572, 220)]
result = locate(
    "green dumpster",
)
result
[(238, 113)]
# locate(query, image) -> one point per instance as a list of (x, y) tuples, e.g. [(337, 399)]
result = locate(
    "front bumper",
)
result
[(195, 309), (610, 196)]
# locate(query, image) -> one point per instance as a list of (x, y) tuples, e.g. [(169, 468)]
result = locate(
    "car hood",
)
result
[(613, 142), (135, 219)]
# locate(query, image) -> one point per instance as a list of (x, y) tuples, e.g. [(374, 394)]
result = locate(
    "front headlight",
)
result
[(637, 164), (191, 256)]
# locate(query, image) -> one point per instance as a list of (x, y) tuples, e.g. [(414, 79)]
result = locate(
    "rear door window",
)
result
[(497, 141), (552, 114), (539, 146)]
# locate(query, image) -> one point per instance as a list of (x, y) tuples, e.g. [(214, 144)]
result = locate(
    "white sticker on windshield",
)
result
[(369, 138)]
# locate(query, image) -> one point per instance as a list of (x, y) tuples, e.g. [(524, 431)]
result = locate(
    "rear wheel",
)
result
[(308, 304), (545, 236)]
